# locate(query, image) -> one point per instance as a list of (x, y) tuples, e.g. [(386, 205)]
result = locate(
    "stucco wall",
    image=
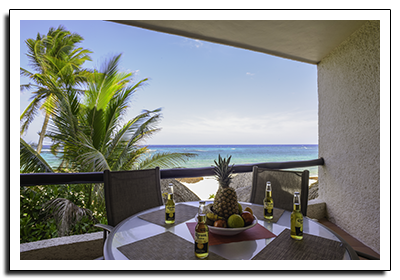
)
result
[(349, 104), (77, 247)]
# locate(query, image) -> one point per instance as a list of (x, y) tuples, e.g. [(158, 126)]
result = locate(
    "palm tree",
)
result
[(90, 135), (84, 111), (56, 61), (90, 130)]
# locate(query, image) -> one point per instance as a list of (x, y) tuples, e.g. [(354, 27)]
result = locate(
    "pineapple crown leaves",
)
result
[(223, 171)]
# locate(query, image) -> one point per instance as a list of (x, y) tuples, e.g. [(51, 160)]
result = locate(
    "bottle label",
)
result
[(298, 226), (269, 205), (170, 216), (268, 211), (268, 208), (170, 212), (201, 243)]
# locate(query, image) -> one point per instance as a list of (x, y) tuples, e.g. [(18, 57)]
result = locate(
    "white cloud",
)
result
[(193, 43), (249, 74), (229, 128), (198, 43)]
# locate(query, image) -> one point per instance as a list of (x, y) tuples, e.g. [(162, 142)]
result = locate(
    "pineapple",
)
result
[(225, 201)]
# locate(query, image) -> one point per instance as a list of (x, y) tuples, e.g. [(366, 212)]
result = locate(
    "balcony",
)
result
[(89, 246), (349, 99)]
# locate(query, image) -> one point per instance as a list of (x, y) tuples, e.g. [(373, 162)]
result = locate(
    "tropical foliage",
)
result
[(90, 130), (37, 222), (53, 210), (56, 61), (86, 110), (30, 160)]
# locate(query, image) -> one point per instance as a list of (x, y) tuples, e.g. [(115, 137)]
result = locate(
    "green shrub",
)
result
[(36, 224)]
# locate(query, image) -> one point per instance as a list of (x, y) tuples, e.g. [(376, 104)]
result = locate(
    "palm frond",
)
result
[(165, 160), (145, 128), (65, 113), (120, 136), (31, 161), (122, 97), (66, 213), (115, 111), (25, 87), (93, 159), (25, 73), (104, 84), (132, 159), (29, 114), (124, 143)]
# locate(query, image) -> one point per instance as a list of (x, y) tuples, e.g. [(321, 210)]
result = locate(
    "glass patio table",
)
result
[(135, 229)]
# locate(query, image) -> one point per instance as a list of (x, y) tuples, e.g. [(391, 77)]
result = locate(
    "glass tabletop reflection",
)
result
[(134, 229)]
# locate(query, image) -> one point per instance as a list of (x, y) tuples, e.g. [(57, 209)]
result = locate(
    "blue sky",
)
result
[(209, 93)]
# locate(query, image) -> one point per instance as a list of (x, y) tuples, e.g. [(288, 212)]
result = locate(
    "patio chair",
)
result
[(129, 192), (284, 184)]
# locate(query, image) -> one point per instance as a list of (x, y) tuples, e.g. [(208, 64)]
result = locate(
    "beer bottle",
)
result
[(268, 202), (201, 233), (170, 206), (296, 219)]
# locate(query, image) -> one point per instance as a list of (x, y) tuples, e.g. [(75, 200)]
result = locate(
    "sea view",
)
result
[(241, 154)]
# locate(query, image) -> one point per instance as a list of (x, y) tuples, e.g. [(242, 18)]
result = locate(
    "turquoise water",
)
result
[(244, 154), (241, 154)]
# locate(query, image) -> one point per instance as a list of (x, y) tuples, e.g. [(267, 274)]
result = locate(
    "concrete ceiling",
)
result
[(302, 40)]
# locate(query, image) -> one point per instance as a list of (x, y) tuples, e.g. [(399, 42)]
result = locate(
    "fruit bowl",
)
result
[(231, 231)]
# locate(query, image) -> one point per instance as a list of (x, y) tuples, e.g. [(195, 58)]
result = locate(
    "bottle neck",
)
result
[(202, 218), (202, 213), (296, 202), (268, 187), (296, 207)]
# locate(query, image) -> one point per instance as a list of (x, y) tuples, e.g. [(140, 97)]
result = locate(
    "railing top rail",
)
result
[(33, 179)]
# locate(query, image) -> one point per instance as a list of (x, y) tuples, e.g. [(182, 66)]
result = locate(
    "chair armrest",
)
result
[(366, 256), (105, 227)]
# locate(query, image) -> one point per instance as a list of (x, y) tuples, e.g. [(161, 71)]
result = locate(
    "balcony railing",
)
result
[(34, 179), (89, 246)]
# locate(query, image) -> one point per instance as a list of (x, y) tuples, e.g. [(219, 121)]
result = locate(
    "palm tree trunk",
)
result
[(42, 133)]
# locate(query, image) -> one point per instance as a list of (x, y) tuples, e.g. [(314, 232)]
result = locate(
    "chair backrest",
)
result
[(284, 184), (129, 192)]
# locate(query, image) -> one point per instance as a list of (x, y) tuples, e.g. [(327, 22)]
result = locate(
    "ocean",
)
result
[(241, 154)]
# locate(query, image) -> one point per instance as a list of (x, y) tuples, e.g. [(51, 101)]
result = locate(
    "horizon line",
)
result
[(224, 144)]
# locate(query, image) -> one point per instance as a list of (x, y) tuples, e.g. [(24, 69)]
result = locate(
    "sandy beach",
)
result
[(203, 187)]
